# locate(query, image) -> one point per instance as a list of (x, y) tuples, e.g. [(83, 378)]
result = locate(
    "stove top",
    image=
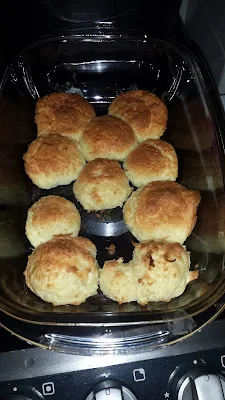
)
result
[(10, 342), (169, 372)]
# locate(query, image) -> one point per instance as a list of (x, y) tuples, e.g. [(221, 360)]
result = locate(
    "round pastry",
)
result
[(63, 270), (63, 113), (143, 111), (162, 210), (117, 281), (53, 160), (107, 137), (50, 216), (161, 270), (101, 185), (152, 160)]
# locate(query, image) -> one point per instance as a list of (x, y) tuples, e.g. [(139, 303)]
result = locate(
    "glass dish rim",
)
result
[(110, 35)]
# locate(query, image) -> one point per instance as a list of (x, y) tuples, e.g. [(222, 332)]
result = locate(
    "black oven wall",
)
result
[(22, 22)]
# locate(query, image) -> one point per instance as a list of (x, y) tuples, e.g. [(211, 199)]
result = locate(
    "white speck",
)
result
[(195, 362), (48, 388), (167, 395), (15, 389)]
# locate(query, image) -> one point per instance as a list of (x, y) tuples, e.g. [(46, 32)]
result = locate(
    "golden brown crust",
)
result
[(50, 216), (107, 137), (102, 184), (53, 160), (162, 210), (151, 160), (63, 270), (158, 271), (161, 270), (101, 169), (143, 111), (63, 113), (60, 250), (47, 209), (171, 251), (117, 282)]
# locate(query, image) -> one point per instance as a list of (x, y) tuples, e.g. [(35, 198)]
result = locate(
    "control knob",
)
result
[(110, 390), (199, 384), (24, 393)]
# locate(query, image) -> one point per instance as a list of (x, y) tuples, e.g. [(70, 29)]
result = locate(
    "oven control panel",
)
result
[(197, 375)]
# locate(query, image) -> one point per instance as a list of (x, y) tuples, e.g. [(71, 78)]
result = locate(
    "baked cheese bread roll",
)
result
[(161, 270), (152, 160), (63, 270), (107, 137), (162, 210), (101, 185), (51, 216), (53, 160), (143, 111), (63, 113)]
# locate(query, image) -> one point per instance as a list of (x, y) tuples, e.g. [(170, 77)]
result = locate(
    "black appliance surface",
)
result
[(27, 372), (192, 369), (24, 21)]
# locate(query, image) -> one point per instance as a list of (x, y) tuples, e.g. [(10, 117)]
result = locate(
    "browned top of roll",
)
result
[(62, 113), (50, 209), (151, 160), (162, 210), (171, 193), (61, 250), (101, 169), (102, 184), (107, 137), (52, 153), (143, 111)]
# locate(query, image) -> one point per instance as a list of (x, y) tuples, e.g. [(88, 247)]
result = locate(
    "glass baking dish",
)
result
[(100, 65)]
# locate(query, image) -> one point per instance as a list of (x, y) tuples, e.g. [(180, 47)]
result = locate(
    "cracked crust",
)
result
[(101, 185), (63, 113), (63, 270), (158, 271), (162, 210), (143, 111), (151, 160), (53, 160), (107, 137), (50, 216)]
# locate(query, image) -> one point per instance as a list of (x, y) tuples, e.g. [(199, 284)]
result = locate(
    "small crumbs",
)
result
[(111, 249)]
